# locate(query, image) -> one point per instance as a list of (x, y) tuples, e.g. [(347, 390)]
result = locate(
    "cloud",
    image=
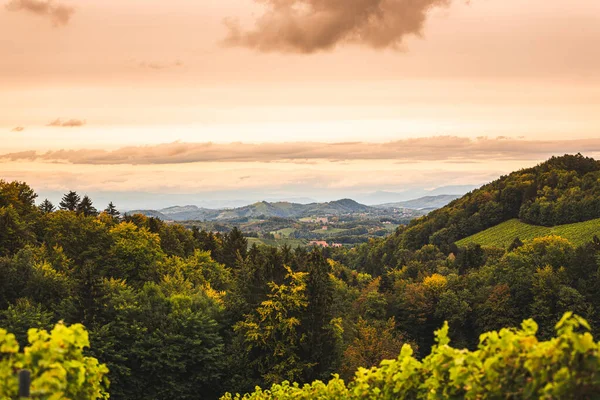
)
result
[(442, 148), (159, 66), (18, 129), (59, 14), (71, 123), (307, 26)]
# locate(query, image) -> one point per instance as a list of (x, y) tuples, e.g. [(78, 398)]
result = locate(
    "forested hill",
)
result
[(559, 191), (282, 209), (260, 209)]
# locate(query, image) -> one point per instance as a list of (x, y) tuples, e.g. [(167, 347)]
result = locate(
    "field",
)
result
[(503, 234), (285, 232), (329, 231)]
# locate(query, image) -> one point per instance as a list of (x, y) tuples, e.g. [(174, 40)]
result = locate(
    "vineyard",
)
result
[(502, 235), (510, 364)]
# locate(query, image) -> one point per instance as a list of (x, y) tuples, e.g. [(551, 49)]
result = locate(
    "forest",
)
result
[(154, 310)]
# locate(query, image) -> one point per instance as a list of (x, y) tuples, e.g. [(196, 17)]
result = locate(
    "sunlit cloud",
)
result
[(58, 13), (307, 26), (18, 129), (160, 66), (71, 123)]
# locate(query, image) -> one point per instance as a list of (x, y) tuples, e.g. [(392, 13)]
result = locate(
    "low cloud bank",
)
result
[(443, 148)]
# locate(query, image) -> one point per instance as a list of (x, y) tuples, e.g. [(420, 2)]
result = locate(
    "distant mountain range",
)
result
[(289, 210), (385, 197), (423, 203)]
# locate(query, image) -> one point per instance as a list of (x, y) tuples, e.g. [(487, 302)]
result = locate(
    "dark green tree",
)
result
[(596, 242), (320, 344), (515, 244), (70, 201), (46, 207), (86, 207), (15, 233), (81, 239), (235, 245), (112, 210)]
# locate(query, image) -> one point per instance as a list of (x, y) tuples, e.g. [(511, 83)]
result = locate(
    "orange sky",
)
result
[(148, 72)]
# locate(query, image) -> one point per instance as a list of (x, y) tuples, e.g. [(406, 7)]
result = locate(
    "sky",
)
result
[(152, 103)]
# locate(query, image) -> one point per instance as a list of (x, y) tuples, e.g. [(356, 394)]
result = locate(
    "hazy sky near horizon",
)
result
[(308, 98)]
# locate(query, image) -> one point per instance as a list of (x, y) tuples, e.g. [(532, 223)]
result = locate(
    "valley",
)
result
[(343, 222)]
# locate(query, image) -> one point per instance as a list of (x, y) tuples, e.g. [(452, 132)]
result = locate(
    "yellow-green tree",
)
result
[(59, 368), (272, 334)]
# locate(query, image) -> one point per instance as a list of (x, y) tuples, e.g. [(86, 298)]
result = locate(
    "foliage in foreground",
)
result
[(509, 364), (59, 369)]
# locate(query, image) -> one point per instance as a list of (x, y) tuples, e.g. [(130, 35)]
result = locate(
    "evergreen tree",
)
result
[(515, 244), (14, 232), (272, 335), (235, 245), (70, 201), (46, 207), (86, 207), (596, 242), (320, 345), (112, 210)]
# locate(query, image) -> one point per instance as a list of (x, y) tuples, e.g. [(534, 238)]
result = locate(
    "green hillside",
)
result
[(562, 190), (503, 234)]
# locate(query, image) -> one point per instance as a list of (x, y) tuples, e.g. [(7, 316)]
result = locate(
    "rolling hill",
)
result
[(502, 235), (560, 191), (261, 209)]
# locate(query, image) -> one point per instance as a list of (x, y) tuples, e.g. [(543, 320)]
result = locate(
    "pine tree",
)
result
[(320, 345), (596, 242), (46, 207), (86, 207), (272, 335), (235, 245), (515, 244), (70, 201), (112, 210)]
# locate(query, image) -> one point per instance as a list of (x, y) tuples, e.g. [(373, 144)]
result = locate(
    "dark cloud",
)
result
[(59, 14), (18, 129), (443, 148), (159, 66), (307, 26), (71, 123)]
